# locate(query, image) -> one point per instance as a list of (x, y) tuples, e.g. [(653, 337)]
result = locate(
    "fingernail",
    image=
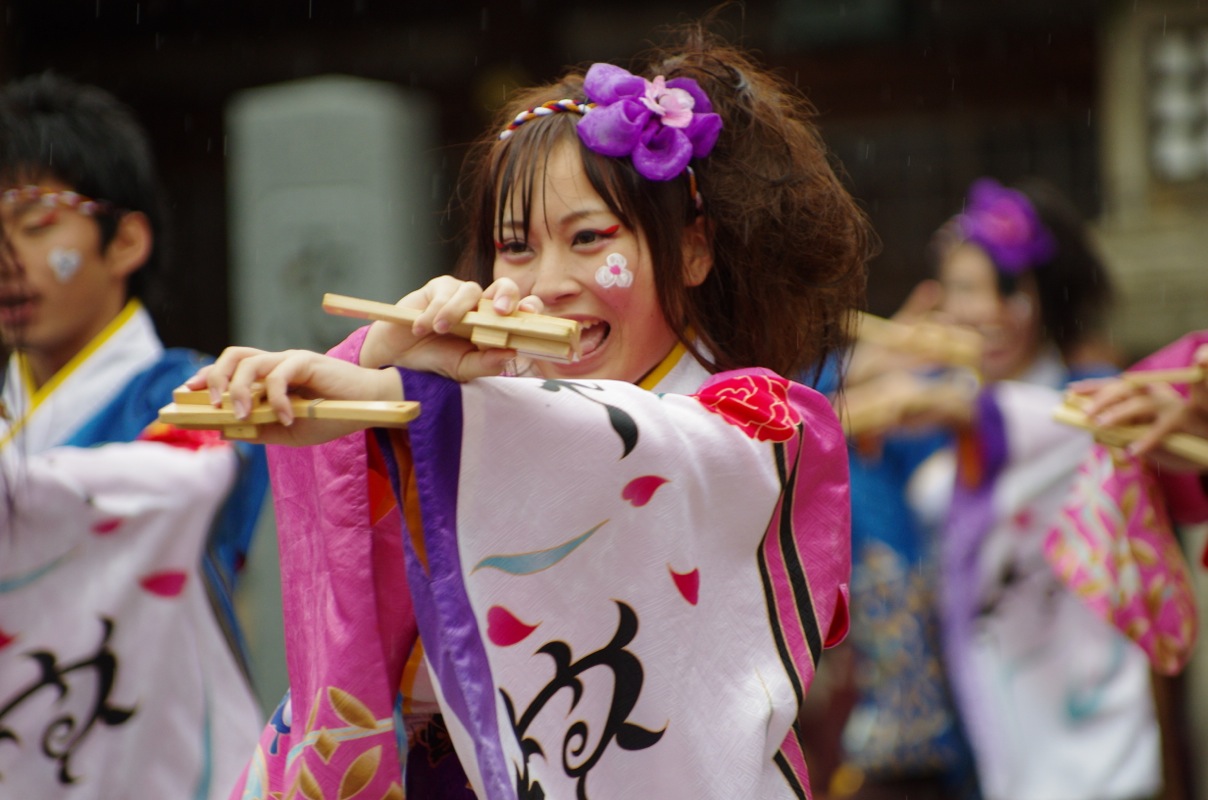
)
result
[(215, 396), (242, 407), (287, 418), (501, 304), (441, 326)]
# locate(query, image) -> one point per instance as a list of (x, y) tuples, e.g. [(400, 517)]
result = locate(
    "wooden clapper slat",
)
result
[(1185, 445), (191, 409), (532, 335), (944, 344)]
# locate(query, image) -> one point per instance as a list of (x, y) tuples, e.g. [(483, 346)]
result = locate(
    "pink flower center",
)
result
[(673, 105)]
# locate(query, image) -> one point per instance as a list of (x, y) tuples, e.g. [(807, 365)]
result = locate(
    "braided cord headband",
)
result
[(661, 125), (49, 197), (545, 110)]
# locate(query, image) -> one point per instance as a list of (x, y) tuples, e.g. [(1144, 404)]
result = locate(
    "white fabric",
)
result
[(1065, 696), (194, 719), (683, 648), (79, 394), (112, 533)]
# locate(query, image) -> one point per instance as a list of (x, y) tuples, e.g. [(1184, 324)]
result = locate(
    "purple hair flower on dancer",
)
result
[(1003, 222), (661, 124)]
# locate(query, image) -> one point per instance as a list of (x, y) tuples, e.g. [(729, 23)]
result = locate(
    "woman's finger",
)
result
[(504, 295), (218, 376)]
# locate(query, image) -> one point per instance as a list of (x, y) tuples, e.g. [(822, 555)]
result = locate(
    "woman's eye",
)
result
[(512, 247), (592, 236)]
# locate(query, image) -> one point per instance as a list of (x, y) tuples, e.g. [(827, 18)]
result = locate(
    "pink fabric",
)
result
[(1184, 492), (338, 737), (1115, 547)]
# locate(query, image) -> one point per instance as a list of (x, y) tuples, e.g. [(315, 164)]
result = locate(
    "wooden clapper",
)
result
[(532, 335), (932, 342), (1072, 411)]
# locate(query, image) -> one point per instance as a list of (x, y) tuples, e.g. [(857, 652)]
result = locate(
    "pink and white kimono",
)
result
[(604, 590), (1114, 543), (117, 679), (1056, 701)]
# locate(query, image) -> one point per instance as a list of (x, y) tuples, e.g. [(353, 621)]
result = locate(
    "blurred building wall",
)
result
[(1154, 230), (1154, 223)]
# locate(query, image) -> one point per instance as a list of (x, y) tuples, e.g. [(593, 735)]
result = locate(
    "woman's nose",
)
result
[(554, 281)]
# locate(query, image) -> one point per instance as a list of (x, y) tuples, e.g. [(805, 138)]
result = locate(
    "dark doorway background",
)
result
[(916, 97)]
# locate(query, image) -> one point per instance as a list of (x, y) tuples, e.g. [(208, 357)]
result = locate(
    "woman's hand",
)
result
[(1157, 407), (301, 373), (899, 400), (427, 344), (869, 360)]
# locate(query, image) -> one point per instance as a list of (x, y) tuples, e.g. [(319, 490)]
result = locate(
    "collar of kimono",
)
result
[(660, 371), (35, 398)]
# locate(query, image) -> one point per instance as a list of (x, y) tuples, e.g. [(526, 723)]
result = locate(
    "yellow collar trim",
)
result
[(45, 390), (654, 376)]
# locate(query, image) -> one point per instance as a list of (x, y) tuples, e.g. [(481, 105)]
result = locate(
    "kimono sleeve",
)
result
[(610, 527)]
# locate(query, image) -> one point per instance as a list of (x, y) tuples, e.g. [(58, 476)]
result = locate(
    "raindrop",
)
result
[(484, 18), (138, 13), (98, 8)]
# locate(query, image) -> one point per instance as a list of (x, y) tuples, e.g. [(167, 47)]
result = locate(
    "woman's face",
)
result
[(585, 265), (1010, 325)]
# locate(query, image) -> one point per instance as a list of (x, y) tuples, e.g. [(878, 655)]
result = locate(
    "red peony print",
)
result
[(756, 402)]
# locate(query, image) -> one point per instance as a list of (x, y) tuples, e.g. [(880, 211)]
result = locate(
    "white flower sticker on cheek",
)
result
[(614, 272), (64, 263)]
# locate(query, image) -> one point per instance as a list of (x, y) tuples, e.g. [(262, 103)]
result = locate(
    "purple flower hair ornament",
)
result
[(661, 124), (1004, 223)]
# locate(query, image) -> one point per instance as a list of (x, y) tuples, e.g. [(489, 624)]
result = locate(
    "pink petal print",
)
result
[(688, 584), (504, 629), (6, 639), (107, 526), (164, 584), (639, 490)]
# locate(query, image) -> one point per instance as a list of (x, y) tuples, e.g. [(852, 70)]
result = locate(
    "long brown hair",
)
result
[(790, 245)]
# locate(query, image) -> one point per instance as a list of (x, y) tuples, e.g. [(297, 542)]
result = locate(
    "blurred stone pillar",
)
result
[(330, 190)]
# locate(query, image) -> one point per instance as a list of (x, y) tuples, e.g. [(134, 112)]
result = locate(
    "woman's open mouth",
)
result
[(592, 335)]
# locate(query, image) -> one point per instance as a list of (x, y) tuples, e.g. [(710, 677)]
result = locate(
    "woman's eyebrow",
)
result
[(583, 213)]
